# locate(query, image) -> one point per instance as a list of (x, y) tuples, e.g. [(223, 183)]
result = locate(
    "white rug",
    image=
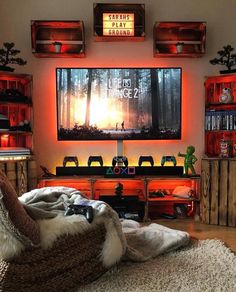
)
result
[(206, 266)]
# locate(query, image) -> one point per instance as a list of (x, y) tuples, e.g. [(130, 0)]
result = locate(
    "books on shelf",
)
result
[(220, 120), (14, 151)]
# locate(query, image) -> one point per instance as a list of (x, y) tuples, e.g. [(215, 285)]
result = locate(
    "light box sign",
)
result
[(118, 24)]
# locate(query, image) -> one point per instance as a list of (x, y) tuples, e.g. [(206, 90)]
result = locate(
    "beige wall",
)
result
[(15, 17)]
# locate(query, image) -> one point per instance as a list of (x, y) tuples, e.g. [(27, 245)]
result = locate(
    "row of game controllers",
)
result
[(119, 160)]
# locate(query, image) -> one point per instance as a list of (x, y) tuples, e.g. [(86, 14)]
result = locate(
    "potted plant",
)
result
[(57, 46), (226, 58), (7, 56)]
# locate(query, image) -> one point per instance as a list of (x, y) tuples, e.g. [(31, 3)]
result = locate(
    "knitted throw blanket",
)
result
[(124, 239)]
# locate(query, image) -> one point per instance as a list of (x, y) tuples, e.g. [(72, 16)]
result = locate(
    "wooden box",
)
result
[(218, 192), (58, 39), (179, 39)]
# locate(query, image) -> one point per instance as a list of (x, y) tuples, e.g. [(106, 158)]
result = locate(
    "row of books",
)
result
[(220, 120), (14, 151)]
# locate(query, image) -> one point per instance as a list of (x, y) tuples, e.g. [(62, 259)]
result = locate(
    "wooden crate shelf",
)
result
[(190, 36), (218, 192), (69, 35)]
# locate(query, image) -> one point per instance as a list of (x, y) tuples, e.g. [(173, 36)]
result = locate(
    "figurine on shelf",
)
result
[(226, 95), (119, 189), (189, 160)]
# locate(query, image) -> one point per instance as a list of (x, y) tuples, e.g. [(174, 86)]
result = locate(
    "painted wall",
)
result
[(15, 17)]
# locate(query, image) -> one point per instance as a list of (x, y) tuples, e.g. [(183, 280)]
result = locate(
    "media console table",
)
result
[(93, 187)]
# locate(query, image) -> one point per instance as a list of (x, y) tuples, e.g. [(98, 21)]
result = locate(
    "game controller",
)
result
[(119, 160), (95, 159), (86, 211), (145, 159), (168, 159), (70, 159)]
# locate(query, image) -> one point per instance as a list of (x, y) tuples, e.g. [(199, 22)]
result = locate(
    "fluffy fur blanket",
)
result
[(125, 239)]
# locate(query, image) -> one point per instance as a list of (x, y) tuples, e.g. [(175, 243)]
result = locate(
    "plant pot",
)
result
[(57, 47), (6, 68)]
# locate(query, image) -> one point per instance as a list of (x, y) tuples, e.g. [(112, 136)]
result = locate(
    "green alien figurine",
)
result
[(189, 160)]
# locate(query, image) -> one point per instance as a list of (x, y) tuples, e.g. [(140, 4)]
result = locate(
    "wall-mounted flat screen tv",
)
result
[(118, 103)]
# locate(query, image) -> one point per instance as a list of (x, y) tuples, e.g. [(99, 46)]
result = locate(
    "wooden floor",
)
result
[(203, 231)]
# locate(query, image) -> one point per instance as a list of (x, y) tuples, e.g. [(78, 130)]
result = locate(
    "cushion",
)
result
[(13, 217)]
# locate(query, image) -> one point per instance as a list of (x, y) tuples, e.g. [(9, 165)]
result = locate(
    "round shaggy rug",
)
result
[(206, 265)]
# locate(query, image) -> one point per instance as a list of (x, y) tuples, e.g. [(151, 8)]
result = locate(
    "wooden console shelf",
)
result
[(95, 186)]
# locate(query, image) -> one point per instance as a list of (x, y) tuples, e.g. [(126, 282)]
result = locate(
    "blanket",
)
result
[(125, 239)]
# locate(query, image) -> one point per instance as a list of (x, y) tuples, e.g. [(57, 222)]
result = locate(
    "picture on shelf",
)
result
[(118, 103)]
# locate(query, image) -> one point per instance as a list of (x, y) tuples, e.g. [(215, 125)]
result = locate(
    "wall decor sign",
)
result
[(118, 22)]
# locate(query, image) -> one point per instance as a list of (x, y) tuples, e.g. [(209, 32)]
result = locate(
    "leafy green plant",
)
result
[(225, 57), (7, 56)]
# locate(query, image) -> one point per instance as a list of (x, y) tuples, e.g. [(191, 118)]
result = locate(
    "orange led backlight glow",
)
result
[(118, 24)]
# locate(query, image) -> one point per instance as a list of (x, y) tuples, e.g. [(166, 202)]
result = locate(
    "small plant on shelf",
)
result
[(226, 58), (7, 56)]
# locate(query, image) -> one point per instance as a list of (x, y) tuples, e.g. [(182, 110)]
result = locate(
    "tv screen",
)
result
[(118, 103)]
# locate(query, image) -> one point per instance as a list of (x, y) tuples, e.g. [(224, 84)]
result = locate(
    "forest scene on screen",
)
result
[(121, 103)]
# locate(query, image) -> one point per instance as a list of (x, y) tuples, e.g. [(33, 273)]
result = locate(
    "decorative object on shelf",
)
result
[(119, 189), (73, 159), (145, 159), (167, 158), (225, 148), (7, 56), (179, 47), (58, 39), (225, 58), (189, 160), (179, 39), (234, 150), (119, 22), (226, 95), (4, 123), (95, 159), (46, 172), (57, 46), (13, 95)]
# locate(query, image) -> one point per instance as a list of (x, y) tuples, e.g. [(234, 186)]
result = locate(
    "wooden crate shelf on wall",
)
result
[(179, 39), (119, 22), (58, 39)]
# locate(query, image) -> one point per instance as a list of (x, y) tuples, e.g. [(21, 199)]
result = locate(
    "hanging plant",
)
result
[(226, 58), (7, 56)]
